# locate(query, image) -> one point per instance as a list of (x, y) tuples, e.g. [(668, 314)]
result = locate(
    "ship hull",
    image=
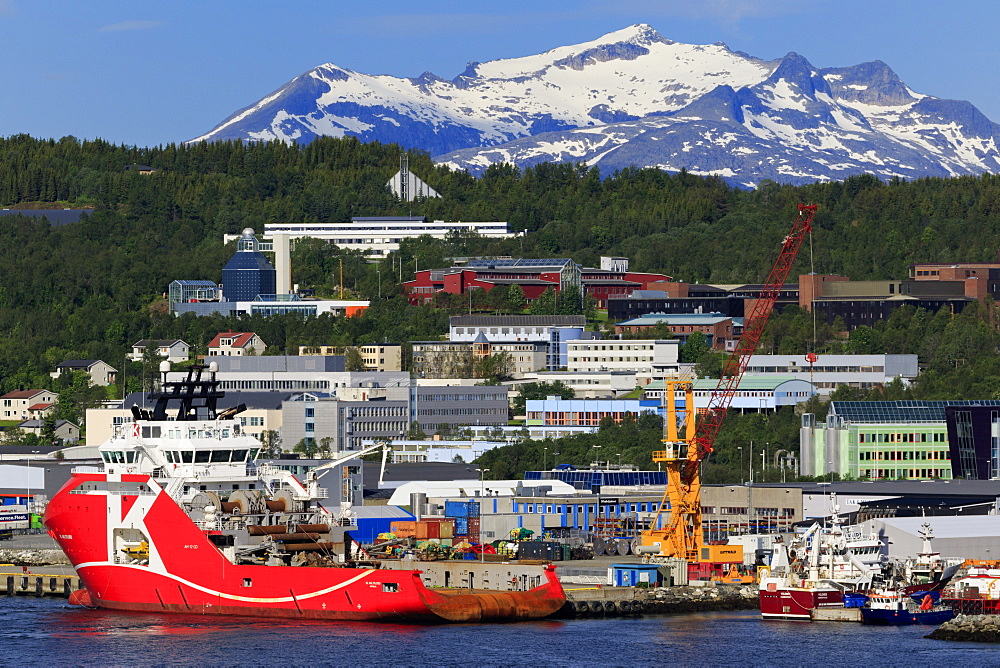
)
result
[(187, 573), (904, 617), (797, 602)]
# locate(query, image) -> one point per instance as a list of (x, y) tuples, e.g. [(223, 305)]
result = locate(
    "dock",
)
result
[(35, 584), (836, 615)]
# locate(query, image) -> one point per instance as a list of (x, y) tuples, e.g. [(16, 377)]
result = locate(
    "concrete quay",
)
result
[(609, 601), (969, 628)]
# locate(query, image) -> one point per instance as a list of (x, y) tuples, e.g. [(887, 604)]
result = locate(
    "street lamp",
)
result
[(596, 455), (482, 494), (27, 499), (763, 471), (740, 448), (619, 459), (555, 464), (545, 457)]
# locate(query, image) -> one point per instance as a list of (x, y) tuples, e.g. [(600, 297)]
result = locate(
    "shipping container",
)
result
[(404, 528), (427, 530), (461, 508)]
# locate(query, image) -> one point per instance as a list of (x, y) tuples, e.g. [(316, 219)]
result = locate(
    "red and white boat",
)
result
[(788, 592), (182, 519), (817, 570), (977, 593)]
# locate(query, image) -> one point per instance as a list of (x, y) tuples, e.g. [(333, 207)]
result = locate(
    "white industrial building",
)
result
[(828, 372), (754, 394), (955, 536)]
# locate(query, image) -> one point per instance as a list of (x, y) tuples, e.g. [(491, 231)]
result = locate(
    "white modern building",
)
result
[(279, 304), (377, 236), (586, 384), (290, 373), (652, 358), (828, 372)]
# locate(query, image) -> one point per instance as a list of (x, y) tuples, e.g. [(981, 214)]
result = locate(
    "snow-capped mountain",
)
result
[(634, 98)]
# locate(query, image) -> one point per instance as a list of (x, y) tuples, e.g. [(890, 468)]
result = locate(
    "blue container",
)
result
[(456, 509), (854, 600), (461, 526)]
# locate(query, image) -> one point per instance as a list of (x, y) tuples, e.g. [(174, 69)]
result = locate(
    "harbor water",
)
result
[(46, 632)]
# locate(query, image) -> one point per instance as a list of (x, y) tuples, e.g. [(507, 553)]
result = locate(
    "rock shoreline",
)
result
[(700, 599), (33, 557), (969, 628)]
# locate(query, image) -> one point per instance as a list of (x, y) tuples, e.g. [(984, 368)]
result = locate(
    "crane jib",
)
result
[(753, 329)]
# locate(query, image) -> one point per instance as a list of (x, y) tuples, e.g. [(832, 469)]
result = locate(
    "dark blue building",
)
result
[(248, 273), (974, 440)]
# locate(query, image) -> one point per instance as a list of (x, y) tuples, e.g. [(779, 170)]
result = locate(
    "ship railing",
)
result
[(87, 469), (322, 493)]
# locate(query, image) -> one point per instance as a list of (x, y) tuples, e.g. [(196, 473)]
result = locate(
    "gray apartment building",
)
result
[(319, 415)]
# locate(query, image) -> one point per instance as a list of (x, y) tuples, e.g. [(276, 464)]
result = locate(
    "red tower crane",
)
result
[(682, 536)]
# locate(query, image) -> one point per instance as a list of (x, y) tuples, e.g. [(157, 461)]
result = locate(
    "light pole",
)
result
[(619, 459), (545, 457), (740, 448), (555, 464), (763, 471), (596, 455), (379, 272), (27, 499), (482, 494)]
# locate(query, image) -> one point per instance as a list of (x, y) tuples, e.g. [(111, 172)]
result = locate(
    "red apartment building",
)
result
[(534, 277)]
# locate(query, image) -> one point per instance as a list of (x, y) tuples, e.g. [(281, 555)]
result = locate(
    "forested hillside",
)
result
[(89, 290)]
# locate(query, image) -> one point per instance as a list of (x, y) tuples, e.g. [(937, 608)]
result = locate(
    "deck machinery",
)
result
[(682, 537)]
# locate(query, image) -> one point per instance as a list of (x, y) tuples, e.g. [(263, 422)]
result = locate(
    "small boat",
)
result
[(895, 607)]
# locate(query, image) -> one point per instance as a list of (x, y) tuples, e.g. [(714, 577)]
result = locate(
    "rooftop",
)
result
[(677, 319), (518, 262), (747, 382), (22, 394), (898, 411), (518, 320)]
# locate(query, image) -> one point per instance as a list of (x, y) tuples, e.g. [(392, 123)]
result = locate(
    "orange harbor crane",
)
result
[(682, 536)]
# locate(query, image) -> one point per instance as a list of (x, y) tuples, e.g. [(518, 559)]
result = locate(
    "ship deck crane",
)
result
[(682, 535)]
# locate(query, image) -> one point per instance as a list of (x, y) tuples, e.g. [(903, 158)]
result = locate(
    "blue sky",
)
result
[(154, 72)]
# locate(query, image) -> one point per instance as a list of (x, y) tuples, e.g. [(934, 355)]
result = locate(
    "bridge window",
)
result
[(220, 456), (202, 456)]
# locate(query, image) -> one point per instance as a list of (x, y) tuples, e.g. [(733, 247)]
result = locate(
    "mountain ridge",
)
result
[(635, 95)]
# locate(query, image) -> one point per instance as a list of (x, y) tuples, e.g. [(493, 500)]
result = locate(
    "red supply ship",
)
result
[(181, 518)]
